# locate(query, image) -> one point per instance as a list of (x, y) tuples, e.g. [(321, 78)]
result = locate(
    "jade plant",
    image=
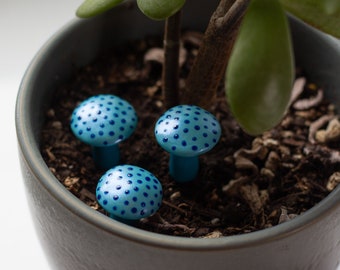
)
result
[(247, 44)]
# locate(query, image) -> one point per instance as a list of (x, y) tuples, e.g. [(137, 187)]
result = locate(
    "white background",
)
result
[(24, 26)]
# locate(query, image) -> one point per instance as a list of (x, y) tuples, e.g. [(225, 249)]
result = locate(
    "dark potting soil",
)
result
[(245, 183)]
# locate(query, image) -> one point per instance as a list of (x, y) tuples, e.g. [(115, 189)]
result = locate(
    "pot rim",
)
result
[(30, 154)]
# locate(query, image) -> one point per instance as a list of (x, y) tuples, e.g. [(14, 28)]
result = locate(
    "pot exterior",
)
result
[(77, 237)]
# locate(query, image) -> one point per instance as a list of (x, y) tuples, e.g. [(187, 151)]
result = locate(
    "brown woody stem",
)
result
[(210, 64), (171, 57)]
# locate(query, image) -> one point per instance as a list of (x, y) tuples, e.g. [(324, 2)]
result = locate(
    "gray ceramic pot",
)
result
[(77, 237)]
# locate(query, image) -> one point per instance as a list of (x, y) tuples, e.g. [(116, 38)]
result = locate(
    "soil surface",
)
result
[(245, 183)]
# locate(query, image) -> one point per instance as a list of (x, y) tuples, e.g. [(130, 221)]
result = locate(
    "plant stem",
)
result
[(210, 64), (170, 76)]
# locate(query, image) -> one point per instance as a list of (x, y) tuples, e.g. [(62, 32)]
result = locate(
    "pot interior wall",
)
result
[(317, 60)]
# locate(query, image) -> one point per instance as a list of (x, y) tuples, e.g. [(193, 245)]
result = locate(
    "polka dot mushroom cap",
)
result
[(187, 130), (103, 120), (129, 192)]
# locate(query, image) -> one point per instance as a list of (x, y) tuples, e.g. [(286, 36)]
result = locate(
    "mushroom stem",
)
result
[(106, 157), (130, 222), (183, 169)]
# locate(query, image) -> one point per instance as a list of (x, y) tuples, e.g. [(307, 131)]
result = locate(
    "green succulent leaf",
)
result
[(90, 8), (260, 72), (322, 14), (160, 9)]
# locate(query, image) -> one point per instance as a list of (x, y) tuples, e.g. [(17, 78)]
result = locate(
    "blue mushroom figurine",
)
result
[(186, 131), (103, 121), (129, 193)]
